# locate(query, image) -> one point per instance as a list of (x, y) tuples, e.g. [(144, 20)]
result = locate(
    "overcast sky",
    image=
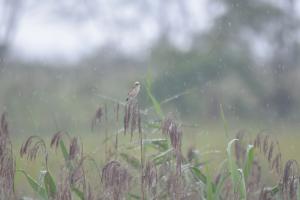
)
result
[(71, 29), (42, 34)]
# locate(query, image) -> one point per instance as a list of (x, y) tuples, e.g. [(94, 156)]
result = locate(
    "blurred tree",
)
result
[(9, 13), (228, 48), (285, 59)]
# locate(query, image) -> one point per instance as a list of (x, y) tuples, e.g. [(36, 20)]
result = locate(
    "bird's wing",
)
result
[(132, 91)]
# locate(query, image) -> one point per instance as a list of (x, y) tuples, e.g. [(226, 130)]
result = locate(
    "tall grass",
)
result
[(157, 170)]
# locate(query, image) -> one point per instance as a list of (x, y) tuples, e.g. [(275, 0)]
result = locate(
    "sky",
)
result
[(43, 34), (72, 29)]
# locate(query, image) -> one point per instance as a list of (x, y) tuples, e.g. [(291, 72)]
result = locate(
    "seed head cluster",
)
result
[(116, 180), (172, 129), (7, 162), (132, 117)]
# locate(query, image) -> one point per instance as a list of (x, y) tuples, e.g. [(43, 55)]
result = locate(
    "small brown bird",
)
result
[(134, 91)]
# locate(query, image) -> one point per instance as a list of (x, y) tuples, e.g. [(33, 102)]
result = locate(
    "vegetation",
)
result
[(245, 64), (159, 171)]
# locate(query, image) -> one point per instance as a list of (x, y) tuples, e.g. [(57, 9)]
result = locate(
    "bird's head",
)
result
[(137, 83)]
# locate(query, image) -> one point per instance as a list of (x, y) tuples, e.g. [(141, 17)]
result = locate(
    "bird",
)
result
[(134, 91)]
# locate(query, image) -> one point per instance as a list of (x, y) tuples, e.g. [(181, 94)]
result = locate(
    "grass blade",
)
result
[(78, 193), (64, 150), (243, 191), (249, 161), (220, 184), (133, 196), (232, 166), (160, 158), (134, 162), (198, 174), (50, 185), (159, 143), (209, 187), (38, 188), (155, 103)]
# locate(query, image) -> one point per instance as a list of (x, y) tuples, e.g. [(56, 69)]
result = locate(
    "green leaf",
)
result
[(238, 183), (50, 185), (221, 182), (153, 125), (198, 174), (149, 79), (275, 190), (160, 158), (159, 143), (134, 196), (38, 188), (134, 162), (232, 166), (243, 193), (64, 150), (209, 188), (249, 161), (78, 193), (155, 103)]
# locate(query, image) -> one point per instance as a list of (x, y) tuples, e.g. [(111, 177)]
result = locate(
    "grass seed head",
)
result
[(56, 139), (74, 149), (150, 177), (172, 129), (116, 179), (32, 146), (269, 147), (7, 162), (97, 118), (64, 187), (290, 180), (132, 119), (175, 186)]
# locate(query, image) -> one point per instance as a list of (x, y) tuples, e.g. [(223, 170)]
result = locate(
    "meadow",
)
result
[(217, 116), (128, 155)]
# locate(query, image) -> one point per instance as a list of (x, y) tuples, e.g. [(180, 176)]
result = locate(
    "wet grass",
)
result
[(210, 142)]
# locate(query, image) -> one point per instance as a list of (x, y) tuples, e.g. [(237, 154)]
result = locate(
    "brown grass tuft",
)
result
[(57, 137), (290, 180), (97, 118), (175, 186), (132, 118), (7, 162), (116, 179), (172, 129), (271, 151), (64, 186), (74, 149), (32, 147), (150, 178)]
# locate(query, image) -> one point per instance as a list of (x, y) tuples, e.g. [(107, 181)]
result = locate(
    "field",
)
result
[(149, 100), (65, 145), (178, 161)]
